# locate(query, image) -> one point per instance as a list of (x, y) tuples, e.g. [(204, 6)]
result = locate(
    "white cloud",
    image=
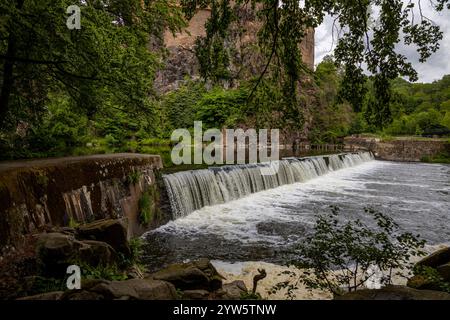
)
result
[(433, 69)]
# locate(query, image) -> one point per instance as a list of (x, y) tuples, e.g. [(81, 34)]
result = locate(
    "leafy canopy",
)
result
[(369, 33), (106, 62)]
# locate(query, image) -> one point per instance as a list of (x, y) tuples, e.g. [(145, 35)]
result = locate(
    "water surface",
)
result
[(265, 225)]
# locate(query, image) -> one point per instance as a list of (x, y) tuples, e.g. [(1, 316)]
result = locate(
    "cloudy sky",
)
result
[(433, 69)]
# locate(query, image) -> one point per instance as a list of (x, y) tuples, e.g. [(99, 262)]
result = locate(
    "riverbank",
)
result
[(276, 274), (405, 149)]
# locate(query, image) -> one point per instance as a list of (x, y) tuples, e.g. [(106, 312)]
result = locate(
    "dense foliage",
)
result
[(343, 256), (54, 79), (90, 90)]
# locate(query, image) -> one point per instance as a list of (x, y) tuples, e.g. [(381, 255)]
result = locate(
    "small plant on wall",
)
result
[(145, 209), (148, 211), (134, 177)]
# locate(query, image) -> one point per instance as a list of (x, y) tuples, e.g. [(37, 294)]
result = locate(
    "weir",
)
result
[(191, 190)]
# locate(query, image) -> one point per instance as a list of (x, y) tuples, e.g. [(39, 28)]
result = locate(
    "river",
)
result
[(264, 226)]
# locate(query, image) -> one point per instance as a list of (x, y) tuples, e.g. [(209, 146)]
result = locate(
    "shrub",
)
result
[(432, 276), (111, 272), (341, 257)]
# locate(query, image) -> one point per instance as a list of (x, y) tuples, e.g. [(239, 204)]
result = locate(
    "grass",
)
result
[(443, 157), (73, 223), (134, 177), (43, 285), (112, 272), (145, 209)]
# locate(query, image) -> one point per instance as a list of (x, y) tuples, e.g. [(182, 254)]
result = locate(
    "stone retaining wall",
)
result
[(407, 149), (64, 191)]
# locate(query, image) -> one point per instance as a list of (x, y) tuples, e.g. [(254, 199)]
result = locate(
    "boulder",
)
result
[(87, 284), (444, 271), (54, 295), (422, 282), (183, 276), (111, 231), (394, 293), (54, 250), (96, 253), (196, 275), (195, 294), (141, 289), (155, 290), (234, 290), (82, 295), (116, 289), (437, 258), (215, 278)]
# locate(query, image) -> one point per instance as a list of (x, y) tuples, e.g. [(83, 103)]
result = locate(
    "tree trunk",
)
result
[(8, 70)]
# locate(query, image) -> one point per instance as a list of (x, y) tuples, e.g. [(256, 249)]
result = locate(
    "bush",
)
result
[(341, 257), (221, 107), (432, 277), (112, 273)]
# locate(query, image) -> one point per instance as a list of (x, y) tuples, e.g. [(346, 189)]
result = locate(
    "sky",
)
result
[(434, 68)]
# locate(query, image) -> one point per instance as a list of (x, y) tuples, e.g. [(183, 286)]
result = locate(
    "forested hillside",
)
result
[(72, 92)]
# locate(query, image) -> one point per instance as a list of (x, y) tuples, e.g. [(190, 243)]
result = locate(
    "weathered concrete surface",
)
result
[(399, 149), (56, 191)]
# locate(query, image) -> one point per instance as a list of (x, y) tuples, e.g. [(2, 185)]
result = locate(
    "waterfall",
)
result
[(192, 190)]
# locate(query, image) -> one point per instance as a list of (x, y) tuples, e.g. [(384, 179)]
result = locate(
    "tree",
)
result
[(368, 37), (107, 61), (343, 256)]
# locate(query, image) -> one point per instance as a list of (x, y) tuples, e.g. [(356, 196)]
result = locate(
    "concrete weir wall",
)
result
[(400, 149), (56, 192)]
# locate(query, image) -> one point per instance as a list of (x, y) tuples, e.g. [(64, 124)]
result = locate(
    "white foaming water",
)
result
[(267, 225), (192, 190), (238, 219)]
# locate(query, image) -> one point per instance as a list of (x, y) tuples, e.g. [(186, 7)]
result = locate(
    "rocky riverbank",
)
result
[(424, 285), (109, 269), (109, 264)]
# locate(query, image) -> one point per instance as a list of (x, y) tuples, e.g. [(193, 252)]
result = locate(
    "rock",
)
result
[(87, 284), (155, 290), (421, 282), (111, 231), (195, 294), (116, 289), (436, 259), (234, 290), (395, 293), (184, 277), (444, 271), (54, 295), (196, 275), (82, 295), (54, 250), (67, 230), (215, 278), (141, 289), (97, 253)]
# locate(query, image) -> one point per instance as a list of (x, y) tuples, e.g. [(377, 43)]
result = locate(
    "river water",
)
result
[(264, 226)]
